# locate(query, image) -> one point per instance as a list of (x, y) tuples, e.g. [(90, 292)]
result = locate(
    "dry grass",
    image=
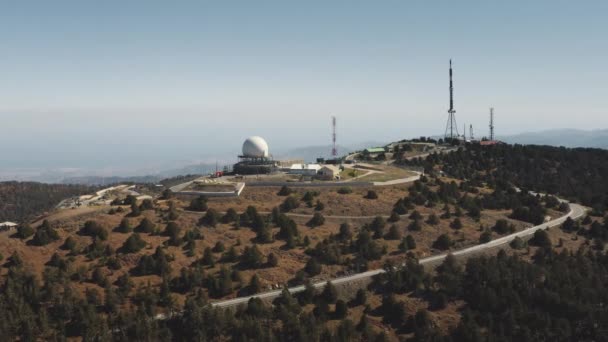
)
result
[(69, 223)]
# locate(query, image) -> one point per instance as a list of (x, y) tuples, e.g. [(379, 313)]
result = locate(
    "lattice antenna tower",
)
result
[(451, 128), (491, 123), (334, 149)]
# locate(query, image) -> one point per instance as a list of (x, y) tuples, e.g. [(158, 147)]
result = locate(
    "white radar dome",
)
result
[(255, 147)]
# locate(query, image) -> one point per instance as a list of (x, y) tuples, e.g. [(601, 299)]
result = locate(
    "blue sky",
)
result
[(116, 82)]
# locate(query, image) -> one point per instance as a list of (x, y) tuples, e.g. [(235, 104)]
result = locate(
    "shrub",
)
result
[(285, 191), (230, 216), (24, 231), (319, 206), (125, 226), (377, 226), (329, 294), (273, 261), (485, 237), (345, 190), (255, 285), (415, 226), (415, 215), (211, 218), (167, 194), (289, 204), (371, 194), (134, 210), (69, 244), (518, 243), (133, 244), (316, 220), (313, 267), (309, 196), (172, 215), (541, 239), (219, 247), (393, 233), (173, 232), (93, 229), (345, 232), (408, 243), (341, 310), (394, 217), (146, 204), (443, 242), (45, 234), (145, 226), (252, 257), (198, 204), (208, 258), (502, 227), (130, 200), (400, 208), (456, 224), (433, 220)]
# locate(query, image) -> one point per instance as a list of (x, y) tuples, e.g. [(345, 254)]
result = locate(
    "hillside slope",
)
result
[(24, 200)]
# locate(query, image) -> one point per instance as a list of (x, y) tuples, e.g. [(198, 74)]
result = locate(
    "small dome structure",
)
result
[(255, 147)]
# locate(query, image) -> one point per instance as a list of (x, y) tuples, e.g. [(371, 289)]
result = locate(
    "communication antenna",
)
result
[(491, 123), (451, 129), (334, 150), (471, 135)]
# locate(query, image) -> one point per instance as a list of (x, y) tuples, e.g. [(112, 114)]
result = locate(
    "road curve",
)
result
[(576, 211)]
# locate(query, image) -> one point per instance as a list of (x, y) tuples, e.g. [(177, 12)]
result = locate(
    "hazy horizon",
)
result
[(143, 85)]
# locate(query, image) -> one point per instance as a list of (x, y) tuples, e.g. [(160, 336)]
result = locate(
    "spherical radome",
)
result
[(255, 147)]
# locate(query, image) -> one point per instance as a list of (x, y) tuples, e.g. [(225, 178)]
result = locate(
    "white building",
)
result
[(304, 169), (329, 172), (8, 225)]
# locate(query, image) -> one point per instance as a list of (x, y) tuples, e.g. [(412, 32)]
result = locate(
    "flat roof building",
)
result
[(329, 172), (304, 169), (8, 225)]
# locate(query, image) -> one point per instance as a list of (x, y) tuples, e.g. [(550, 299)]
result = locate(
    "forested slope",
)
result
[(579, 174), (24, 200)]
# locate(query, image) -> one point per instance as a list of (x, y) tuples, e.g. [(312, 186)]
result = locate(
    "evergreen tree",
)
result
[(133, 244), (125, 226), (316, 220), (198, 204), (211, 218), (24, 231)]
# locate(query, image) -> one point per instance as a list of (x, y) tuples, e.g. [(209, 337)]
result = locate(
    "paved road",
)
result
[(576, 211)]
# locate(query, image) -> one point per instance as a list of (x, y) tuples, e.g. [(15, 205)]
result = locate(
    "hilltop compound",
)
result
[(255, 158)]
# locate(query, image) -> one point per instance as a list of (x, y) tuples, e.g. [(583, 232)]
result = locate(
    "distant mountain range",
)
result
[(561, 137), (311, 153), (557, 137), (195, 169)]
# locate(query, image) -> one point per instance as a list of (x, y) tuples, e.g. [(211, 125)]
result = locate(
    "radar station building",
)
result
[(255, 158)]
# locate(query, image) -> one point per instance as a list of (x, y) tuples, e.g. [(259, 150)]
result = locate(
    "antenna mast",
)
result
[(491, 123), (472, 136), (451, 126), (334, 150)]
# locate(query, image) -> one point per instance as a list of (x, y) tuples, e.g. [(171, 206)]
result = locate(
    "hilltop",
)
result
[(130, 255)]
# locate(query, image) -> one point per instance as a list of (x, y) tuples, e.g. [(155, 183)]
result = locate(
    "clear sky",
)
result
[(105, 82)]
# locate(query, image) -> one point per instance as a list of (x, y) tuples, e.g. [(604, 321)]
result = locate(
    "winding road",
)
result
[(576, 211)]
